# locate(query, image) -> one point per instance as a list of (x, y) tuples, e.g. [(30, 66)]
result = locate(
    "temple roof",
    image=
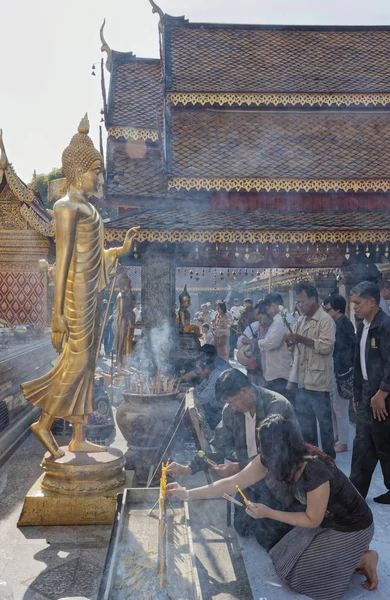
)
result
[(31, 208), (135, 91), (208, 57), (296, 145), (134, 176), (251, 226)]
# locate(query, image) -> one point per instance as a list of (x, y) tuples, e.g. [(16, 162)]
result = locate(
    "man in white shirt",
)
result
[(371, 391), (311, 371), (277, 357), (236, 311)]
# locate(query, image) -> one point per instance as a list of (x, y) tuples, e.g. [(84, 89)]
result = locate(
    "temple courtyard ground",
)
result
[(40, 563)]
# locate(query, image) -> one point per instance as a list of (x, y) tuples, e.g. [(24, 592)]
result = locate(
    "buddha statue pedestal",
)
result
[(80, 488)]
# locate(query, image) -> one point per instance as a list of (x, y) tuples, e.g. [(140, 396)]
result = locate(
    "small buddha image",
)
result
[(125, 321), (184, 313)]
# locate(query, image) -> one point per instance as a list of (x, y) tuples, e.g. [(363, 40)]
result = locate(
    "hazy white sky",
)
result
[(48, 47)]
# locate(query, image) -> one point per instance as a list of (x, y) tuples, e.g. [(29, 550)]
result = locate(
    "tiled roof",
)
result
[(223, 58), (135, 92), (264, 144), (134, 176), (207, 220)]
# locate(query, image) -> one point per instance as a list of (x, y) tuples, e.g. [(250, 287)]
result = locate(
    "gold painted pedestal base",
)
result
[(77, 489)]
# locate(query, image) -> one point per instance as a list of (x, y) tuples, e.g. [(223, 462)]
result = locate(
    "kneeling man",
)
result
[(247, 405)]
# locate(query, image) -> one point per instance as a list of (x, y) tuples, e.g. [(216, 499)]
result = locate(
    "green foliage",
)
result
[(43, 184)]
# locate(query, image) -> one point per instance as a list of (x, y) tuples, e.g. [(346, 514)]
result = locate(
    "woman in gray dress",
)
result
[(330, 538)]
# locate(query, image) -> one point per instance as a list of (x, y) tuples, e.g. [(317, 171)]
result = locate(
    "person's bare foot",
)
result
[(84, 446), (47, 439), (367, 566), (340, 448)]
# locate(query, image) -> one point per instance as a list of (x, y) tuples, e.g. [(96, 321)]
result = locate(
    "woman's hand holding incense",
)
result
[(175, 489), (257, 511), (227, 470)]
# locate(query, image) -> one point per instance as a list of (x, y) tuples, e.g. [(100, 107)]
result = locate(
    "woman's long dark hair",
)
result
[(282, 449)]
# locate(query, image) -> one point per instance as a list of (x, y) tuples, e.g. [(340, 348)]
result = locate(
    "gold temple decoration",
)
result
[(106, 48), (157, 9), (34, 182), (379, 236), (24, 194), (41, 226), (282, 99), (133, 133), (83, 268), (278, 185)]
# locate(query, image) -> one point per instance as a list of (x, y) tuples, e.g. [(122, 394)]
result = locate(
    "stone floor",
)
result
[(40, 563)]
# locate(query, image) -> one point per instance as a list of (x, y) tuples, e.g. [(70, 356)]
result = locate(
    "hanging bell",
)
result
[(347, 253), (368, 253)]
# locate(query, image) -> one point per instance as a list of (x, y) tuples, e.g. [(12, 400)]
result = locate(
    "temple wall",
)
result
[(23, 289)]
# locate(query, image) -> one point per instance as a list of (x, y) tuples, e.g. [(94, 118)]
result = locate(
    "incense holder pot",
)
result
[(145, 421)]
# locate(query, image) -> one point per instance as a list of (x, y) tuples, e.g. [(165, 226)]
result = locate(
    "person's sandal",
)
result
[(340, 448)]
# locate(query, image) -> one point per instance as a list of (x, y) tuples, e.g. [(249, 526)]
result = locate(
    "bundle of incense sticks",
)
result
[(144, 385), (232, 500), (161, 523), (210, 462)]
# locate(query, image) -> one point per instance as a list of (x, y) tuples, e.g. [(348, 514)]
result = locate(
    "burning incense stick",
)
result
[(242, 494)]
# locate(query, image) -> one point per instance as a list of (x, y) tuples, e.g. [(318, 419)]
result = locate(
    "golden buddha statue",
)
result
[(184, 313), (83, 268), (125, 321)]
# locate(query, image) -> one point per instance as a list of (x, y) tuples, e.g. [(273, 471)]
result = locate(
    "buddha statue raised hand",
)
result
[(83, 268)]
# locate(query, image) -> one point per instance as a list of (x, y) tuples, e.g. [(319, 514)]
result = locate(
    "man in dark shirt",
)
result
[(247, 405), (371, 391), (343, 359)]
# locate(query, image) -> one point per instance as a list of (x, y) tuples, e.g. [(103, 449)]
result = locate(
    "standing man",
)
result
[(384, 286), (371, 389), (235, 311), (247, 317), (276, 356), (343, 359), (312, 368), (252, 334)]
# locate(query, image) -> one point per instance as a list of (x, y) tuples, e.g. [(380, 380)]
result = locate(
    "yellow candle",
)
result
[(242, 494)]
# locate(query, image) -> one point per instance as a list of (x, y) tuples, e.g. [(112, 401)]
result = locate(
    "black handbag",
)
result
[(345, 384)]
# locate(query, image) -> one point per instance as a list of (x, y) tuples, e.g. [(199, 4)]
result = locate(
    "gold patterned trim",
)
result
[(257, 99), (254, 237), (132, 133), (36, 222), (287, 185), (22, 192)]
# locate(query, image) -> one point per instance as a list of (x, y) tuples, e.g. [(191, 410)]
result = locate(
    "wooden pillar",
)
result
[(158, 314)]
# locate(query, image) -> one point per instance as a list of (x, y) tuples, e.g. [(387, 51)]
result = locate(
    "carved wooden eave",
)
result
[(31, 207)]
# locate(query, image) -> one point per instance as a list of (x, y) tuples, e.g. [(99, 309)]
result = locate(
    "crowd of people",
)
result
[(303, 375)]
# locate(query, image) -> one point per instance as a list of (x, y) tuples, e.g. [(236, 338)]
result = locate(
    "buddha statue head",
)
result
[(124, 284), (82, 163), (185, 298)]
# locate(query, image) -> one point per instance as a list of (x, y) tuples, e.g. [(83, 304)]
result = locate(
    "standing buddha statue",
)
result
[(184, 313), (83, 268), (125, 321)]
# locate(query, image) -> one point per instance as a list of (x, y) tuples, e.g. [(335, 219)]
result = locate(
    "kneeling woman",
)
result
[(331, 538)]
